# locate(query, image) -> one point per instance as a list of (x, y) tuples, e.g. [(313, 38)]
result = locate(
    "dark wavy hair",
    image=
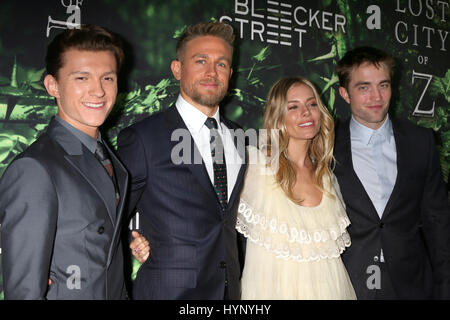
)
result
[(356, 57), (88, 38)]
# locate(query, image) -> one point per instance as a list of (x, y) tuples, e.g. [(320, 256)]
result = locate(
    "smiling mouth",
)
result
[(306, 124), (210, 84), (94, 105)]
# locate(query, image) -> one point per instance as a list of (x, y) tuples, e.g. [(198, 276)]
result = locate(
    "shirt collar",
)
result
[(85, 139), (194, 118), (386, 130), (363, 133)]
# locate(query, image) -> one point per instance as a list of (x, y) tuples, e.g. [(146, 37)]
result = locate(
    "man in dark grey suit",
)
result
[(62, 199), (188, 197)]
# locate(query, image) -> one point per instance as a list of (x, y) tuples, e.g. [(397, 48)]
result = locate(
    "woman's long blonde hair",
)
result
[(320, 149)]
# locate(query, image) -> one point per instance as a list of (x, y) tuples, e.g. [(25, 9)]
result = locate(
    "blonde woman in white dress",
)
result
[(292, 214)]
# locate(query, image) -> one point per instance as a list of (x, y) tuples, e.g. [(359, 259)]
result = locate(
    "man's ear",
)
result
[(175, 66), (51, 84), (344, 94)]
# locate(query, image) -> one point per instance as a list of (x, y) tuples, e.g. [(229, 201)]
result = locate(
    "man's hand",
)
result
[(140, 248)]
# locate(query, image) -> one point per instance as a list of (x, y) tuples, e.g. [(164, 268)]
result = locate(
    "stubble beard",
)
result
[(210, 100), (369, 119)]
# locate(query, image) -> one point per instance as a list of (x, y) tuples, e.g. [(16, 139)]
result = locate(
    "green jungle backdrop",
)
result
[(415, 32)]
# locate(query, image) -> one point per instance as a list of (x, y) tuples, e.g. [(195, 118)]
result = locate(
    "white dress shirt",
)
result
[(374, 159), (195, 122)]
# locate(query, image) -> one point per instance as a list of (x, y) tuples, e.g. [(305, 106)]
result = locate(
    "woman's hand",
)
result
[(140, 248)]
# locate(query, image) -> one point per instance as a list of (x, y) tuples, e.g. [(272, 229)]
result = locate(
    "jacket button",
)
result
[(223, 264), (381, 225), (101, 230)]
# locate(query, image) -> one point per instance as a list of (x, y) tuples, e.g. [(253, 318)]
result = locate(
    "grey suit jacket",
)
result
[(59, 220)]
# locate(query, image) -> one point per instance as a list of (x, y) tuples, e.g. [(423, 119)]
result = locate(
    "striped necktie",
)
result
[(102, 155), (219, 164)]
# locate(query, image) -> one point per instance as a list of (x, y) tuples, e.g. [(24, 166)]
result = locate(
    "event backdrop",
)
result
[(273, 39)]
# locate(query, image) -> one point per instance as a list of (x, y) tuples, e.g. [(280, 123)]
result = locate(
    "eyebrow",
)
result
[(204, 55), (86, 73), (369, 82), (310, 98)]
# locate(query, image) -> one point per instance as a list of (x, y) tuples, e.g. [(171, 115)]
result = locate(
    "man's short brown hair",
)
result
[(356, 57), (88, 38), (216, 29)]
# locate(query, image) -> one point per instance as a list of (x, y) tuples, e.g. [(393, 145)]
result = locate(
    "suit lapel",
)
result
[(349, 176), (87, 165), (122, 180), (240, 145), (402, 147), (122, 183), (237, 186), (174, 122), (94, 173), (91, 169)]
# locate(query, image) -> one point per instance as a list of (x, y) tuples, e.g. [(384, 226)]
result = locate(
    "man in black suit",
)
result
[(390, 177), (187, 191)]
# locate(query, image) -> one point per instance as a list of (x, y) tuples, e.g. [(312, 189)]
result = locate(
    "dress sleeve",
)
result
[(268, 218)]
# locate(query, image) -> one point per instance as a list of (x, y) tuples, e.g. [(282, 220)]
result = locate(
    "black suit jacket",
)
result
[(193, 241), (60, 221), (414, 230)]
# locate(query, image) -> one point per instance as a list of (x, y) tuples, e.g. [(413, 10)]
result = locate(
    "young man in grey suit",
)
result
[(62, 199), (187, 197), (389, 174)]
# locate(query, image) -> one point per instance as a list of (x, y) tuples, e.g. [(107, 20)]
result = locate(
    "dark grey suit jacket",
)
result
[(60, 221), (414, 230)]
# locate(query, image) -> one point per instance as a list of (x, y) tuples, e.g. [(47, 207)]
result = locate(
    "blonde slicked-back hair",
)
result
[(320, 149), (213, 28)]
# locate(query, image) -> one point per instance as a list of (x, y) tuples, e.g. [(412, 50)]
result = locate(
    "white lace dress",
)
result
[(293, 252)]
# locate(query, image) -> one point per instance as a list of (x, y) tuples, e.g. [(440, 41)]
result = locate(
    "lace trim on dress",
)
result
[(289, 242)]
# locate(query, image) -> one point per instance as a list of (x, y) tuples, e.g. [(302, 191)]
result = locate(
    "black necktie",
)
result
[(219, 165), (102, 155)]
